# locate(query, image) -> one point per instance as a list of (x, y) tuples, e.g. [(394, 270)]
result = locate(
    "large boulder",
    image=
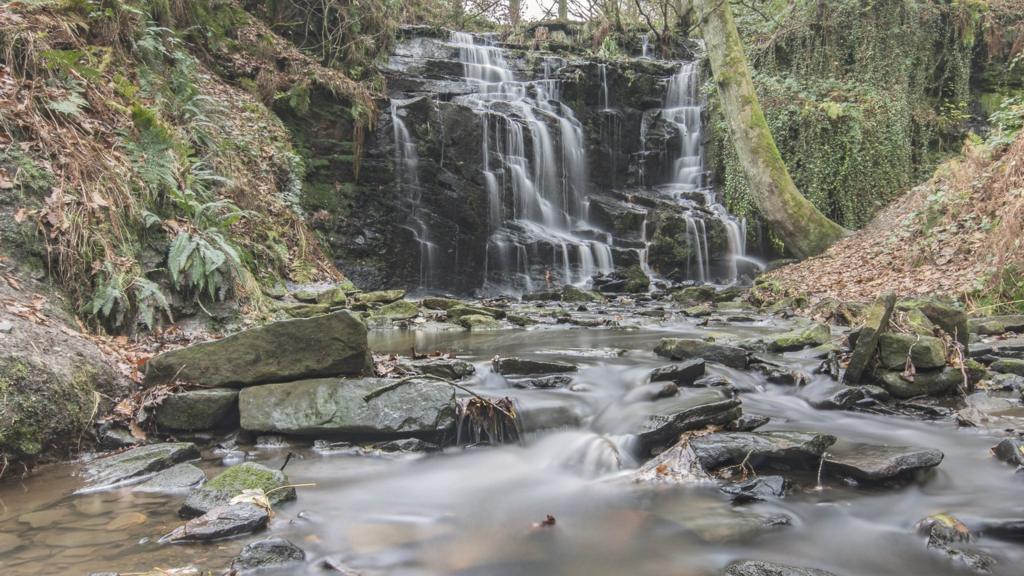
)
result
[(814, 335), (924, 351), (688, 348), (995, 325), (373, 407), (327, 345), (929, 383), (232, 482), (876, 319), (198, 409)]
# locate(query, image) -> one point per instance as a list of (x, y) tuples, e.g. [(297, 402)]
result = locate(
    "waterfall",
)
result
[(534, 170), (604, 87), (645, 45), (407, 166), (682, 110)]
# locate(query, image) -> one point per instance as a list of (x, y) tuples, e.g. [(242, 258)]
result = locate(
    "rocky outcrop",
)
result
[(199, 409), (370, 407), (874, 463), (761, 450), (282, 351)]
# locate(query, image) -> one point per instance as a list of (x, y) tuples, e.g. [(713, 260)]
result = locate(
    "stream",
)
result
[(477, 510)]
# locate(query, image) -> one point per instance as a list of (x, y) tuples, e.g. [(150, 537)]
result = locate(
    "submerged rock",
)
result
[(367, 407), (136, 463), (198, 409), (1010, 450), (221, 522), (278, 352), (748, 423), (762, 568), (848, 397), (271, 552), (231, 482), (924, 351), (543, 383), (810, 336), (651, 392), (174, 479), (875, 463), (761, 449), (876, 319), (690, 348), (760, 488), (525, 366), (683, 374)]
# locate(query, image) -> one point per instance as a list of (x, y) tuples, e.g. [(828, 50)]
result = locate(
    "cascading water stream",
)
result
[(534, 162), (407, 166)]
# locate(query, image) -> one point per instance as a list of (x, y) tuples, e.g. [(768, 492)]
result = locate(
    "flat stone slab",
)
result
[(875, 463), (761, 449), (268, 553), (755, 489), (762, 568), (179, 478), (220, 522), (526, 366), (136, 463), (682, 374), (327, 345), (661, 422), (369, 407)]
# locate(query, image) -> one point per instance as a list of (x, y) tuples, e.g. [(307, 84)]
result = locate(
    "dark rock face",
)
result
[(662, 421), (932, 383), (761, 568), (689, 348), (760, 488), (866, 462), (199, 409), (137, 462), (220, 522), (325, 345), (996, 325), (271, 552), (761, 449), (369, 407), (923, 351), (1010, 450)]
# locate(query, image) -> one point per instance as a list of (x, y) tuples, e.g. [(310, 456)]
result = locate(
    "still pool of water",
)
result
[(474, 511)]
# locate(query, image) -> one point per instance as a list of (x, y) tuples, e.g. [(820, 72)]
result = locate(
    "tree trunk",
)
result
[(515, 8), (563, 10), (802, 228)]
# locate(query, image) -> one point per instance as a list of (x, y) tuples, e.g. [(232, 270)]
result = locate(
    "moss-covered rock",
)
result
[(573, 294), (996, 325), (457, 312), (231, 482), (924, 351), (441, 303), (336, 296), (379, 296), (813, 335), (474, 322), (1009, 366), (924, 383), (400, 310), (693, 295), (876, 321), (637, 282)]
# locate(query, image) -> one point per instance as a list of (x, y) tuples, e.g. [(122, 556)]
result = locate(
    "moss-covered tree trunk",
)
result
[(804, 230)]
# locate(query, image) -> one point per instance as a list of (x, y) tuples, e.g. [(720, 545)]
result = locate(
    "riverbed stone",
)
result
[(543, 382), (198, 409), (9, 542), (444, 304), (136, 463), (930, 383), (178, 478), (693, 295), (997, 325), (683, 374), (447, 368), (661, 422), (877, 463), (475, 322), (455, 313), (847, 397), (282, 351), (379, 296), (373, 407), (571, 293), (399, 310), (268, 553), (332, 297), (809, 336), (761, 449), (748, 423), (876, 319), (220, 522), (762, 568), (1010, 450), (1008, 366), (230, 483), (925, 351), (525, 366), (689, 348), (651, 392), (1006, 348), (756, 489)]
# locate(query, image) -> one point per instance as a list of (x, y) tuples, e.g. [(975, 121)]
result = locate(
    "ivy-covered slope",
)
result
[(863, 98)]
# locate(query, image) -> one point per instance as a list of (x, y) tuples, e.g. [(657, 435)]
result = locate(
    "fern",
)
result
[(120, 296)]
